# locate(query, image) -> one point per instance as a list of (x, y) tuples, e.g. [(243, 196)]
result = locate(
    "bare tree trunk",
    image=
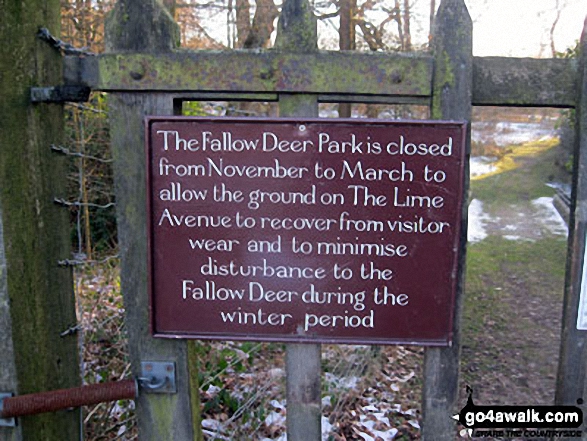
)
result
[(346, 31), (243, 21), (263, 25), (346, 41), (407, 43), (559, 7), (171, 6), (432, 13), (83, 212), (400, 29)]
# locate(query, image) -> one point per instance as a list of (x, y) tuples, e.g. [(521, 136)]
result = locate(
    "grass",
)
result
[(520, 175), (514, 289), (538, 265)]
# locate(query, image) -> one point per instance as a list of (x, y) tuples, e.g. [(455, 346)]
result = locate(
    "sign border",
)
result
[(311, 339)]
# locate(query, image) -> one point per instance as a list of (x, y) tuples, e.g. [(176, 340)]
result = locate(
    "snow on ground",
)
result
[(477, 220), (518, 222), (550, 216), (531, 222), (508, 133), (481, 165)]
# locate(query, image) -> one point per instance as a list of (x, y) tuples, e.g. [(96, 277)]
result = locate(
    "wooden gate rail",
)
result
[(333, 76)]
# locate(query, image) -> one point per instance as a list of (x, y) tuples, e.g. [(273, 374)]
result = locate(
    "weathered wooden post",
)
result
[(451, 100), (571, 382), (297, 33), (36, 294), (144, 26)]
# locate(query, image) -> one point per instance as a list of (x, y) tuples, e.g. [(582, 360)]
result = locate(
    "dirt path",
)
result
[(513, 306)]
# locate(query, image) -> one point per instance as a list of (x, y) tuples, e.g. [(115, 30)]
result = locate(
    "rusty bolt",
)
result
[(266, 74), (396, 78), (137, 75)]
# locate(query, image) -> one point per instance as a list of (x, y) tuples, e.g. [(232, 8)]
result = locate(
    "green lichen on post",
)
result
[(148, 30), (451, 100), (160, 406), (267, 72), (194, 354), (35, 231), (453, 52), (444, 80)]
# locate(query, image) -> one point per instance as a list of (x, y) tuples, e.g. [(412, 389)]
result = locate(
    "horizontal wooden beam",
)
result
[(502, 81), (255, 72), (343, 76), (326, 98)]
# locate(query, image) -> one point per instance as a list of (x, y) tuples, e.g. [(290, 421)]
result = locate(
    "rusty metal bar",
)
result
[(52, 401), (156, 377)]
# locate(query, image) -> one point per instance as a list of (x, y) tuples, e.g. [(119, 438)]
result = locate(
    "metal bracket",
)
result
[(60, 94), (158, 377), (5, 422)]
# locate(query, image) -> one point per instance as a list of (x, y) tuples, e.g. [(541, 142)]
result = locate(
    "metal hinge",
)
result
[(60, 94)]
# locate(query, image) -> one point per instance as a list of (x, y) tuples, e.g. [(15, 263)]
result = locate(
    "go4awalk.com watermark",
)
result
[(519, 421)]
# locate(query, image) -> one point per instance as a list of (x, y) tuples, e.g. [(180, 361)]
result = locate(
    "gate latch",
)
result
[(5, 422), (158, 377)]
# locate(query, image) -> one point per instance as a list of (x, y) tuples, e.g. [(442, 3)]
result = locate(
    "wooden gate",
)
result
[(145, 74)]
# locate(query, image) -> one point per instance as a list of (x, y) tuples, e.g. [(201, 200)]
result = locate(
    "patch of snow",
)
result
[(551, 218), (277, 373), (280, 438), (275, 419), (212, 390), (481, 165), (385, 435), (414, 424), (565, 188), (326, 428), (117, 410), (344, 382), (211, 424), (516, 238), (365, 436), (277, 404), (508, 133), (477, 219), (411, 412)]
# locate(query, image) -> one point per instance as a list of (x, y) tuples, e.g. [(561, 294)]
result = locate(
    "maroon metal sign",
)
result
[(304, 230)]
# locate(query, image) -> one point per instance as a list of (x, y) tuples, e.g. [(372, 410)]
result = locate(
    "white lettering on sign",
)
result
[(306, 230)]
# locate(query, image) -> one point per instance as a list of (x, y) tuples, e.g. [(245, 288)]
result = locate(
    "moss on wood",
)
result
[(36, 231)]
